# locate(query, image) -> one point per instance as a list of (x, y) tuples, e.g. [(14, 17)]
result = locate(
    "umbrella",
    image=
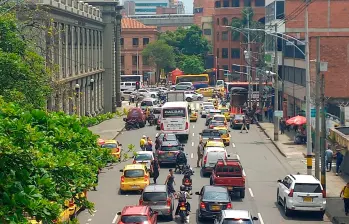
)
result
[(297, 120)]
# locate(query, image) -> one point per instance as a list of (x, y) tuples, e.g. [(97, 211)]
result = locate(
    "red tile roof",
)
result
[(128, 23)]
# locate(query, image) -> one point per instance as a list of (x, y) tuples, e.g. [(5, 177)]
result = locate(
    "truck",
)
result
[(229, 173), (175, 96), (238, 99)]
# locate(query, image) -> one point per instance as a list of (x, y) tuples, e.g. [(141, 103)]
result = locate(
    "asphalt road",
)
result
[(262, 163)]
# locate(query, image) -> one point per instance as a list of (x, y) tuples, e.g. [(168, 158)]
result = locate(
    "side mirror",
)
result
[(121, 170), (279, 181), (255, 218), (197, 193), (119, 213), (228, 155)]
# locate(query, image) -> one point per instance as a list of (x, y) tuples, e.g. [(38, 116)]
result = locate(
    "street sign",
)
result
[(313, 112), (278, 113)]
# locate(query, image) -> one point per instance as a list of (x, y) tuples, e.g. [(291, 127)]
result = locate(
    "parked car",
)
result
[(137, 115), (184, 86), (157, 197), (137, 214), (212, 200)]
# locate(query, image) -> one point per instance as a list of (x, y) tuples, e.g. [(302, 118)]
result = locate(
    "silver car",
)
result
[(158, 199), (230, 216)]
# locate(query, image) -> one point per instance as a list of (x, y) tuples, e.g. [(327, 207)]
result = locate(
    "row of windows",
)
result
[(135, 73), (152, 4), (145, 10), (135, 41), (135, 59), (225, 36), (236, 3), (295, 75), (234, 53), (275, 10)]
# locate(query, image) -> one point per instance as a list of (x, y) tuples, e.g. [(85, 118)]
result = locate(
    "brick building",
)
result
[(134, 37), (328, 20), (229, 51), (203, 11)]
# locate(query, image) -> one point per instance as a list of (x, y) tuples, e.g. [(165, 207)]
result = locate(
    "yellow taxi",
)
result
[(214, 143), (206, 92), (225, 136), (114, 146), (135, 177), (225, 111), (194, 116), (221, 118)]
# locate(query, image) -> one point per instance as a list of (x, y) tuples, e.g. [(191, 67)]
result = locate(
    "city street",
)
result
[(262, 163)]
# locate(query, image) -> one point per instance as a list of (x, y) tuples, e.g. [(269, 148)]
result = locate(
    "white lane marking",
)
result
[(238, 157), (115, 218), (89, 220), (251, 193), (193, 134), (192, 144), (193, 126), (260, 218), (233, 145), (192, 155)]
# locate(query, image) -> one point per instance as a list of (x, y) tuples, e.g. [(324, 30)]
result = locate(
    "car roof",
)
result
[(135, 166), (214, 111), (110, 141), (145, 152), (155, 188), (215, 188), (135, 210), (170, 143), (230, 213), (221, 128), (175, 104), (218, 115), (215, 148), (309, 179)]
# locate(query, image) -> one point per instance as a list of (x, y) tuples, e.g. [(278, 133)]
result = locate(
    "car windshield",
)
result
[(109, 146), (212, 134), (154, 196), (216, 123), (215, 196), (170, 148), (169, 137), (307, 188), (134, 218), (237, 221), (140, 157), (223, 131), (219, 118), (134, 173)]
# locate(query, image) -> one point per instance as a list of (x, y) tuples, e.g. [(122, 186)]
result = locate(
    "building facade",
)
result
[(328, 23), (134, 38), (228, 49), (203, 11), (129, 8), (148, 7)]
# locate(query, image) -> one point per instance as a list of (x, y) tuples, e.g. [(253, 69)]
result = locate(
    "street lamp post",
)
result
[(77, 98), (91, 97)]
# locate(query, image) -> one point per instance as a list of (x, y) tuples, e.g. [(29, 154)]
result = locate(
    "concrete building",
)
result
[(148, 7), (129, 8), (180, 7), (81, 46), (203, 11), (166, 10), (134, 37), (327, 19), (229, 52)]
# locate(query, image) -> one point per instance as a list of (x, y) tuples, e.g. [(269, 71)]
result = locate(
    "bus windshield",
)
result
[(192, 78)]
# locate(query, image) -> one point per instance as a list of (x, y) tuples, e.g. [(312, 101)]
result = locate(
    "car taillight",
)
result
[(168, 202), (159, 121), (162, 126), (202, 205), (229, 206), (122, 179), (186, 125), (71, 203), (146, 178), (117, 150), (186, 180), (291, 193), (140, 202), (134, 162), (205, 159), (324, 193), (182, 204)]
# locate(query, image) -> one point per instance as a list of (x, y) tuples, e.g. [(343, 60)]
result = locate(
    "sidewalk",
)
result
[(110, 129), (296, 157)]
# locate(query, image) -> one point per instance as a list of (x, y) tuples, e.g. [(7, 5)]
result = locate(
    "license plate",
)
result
[(182, 208), (215, 207), (230, 188), (170, 154), (135, 187), (308, 199)]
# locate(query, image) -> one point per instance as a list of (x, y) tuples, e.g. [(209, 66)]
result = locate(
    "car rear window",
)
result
[(307, 188), (212, 134), (134, 173), (223, 110), (215, 196), (219, 118), (134, 218), (228, 171), (238, 117), (109, 146), (170, 148), (237, 221), (140, 157), (146, 103), (154, 196)]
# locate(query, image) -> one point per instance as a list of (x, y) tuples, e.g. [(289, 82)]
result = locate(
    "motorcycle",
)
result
[(187, 181), (151, 121), (183, 213), (131, 124)]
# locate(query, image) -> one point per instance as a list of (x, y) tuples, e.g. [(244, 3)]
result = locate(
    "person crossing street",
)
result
[(200, 153), (244, 126)]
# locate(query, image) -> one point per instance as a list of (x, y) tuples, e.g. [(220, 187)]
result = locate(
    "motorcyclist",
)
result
[(182, 196), (151, 116), (143, 142), (188, 172), (181, 159)]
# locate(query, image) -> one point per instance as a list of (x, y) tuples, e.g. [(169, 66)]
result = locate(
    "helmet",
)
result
[(144, 136), (182, 188), (157, 135)]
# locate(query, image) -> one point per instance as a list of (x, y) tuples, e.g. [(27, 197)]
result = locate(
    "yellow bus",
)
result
[(199, 81)]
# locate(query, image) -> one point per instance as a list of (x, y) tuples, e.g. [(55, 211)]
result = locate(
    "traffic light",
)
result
[(137, 86)]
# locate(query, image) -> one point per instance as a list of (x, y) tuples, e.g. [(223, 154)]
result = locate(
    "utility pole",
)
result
[(216, 70), (317, 108), (249, 62), (276, 89), (323, 133), (307, 86)]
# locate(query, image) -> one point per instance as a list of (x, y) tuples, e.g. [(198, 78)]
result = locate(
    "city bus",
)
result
[(254, 86), (199, 81)]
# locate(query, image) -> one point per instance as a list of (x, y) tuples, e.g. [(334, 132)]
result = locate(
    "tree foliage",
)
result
[(192, 64), (24, 78), (46, 159)]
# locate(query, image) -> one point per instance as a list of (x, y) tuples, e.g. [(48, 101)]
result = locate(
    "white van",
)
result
[(127, 86), (211, 156), (175, 119)]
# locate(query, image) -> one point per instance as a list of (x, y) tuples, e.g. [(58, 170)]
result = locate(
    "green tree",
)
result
[(24, 77), (160, 55), (192, 65)]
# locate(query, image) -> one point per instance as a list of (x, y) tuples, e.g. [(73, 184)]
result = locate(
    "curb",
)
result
[(276, 146)]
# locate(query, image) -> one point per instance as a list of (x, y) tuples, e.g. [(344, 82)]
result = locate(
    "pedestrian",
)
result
[(200, 153), (339, 160), (155, 169), (170, 181), (243, 127), (345, 193), (143, 142), (282, 125), (149, 145), (328, 158), (270, 114)]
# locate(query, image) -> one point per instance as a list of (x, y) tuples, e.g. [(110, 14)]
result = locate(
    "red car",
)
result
[(138, 214)]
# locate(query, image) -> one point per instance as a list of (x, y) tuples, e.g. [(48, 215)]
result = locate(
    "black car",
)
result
[(212, 200), (168, 152)]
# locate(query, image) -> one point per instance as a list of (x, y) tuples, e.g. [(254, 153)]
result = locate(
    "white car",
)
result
[(205, 104), (301, 193), (193, 96), (143, 157), (235, 216), (206, 110), (148, 93)]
